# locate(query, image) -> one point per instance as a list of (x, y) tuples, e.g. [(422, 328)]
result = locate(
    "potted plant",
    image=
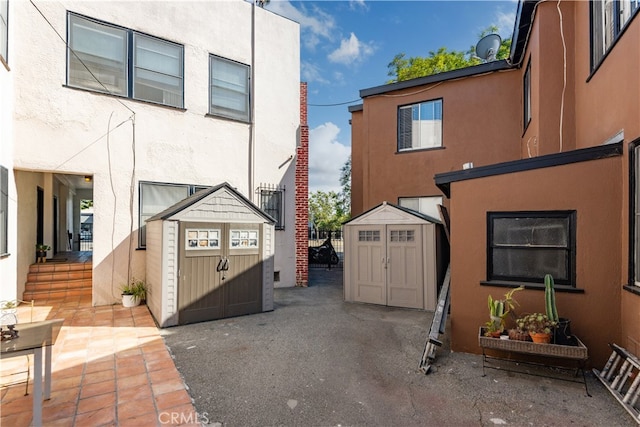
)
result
[(538, 325), (498, 311), (133, 293), (41, 252), (562, 332)]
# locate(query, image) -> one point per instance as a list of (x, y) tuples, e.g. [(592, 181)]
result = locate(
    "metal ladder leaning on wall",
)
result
[(622, 379)]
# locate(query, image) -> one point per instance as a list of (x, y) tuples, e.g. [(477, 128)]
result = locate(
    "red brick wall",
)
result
[(302, 194)]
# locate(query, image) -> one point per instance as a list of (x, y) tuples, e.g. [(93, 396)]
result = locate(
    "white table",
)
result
[(32, 339)]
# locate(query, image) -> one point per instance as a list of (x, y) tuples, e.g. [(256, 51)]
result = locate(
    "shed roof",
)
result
[(390, 213), (210, 193)]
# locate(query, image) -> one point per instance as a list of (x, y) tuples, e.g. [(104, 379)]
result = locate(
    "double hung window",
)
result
[(420, 125), (228, 89), (119, 61), (156, 197), (424, 205), (635, 221), (608, 19), (525, 246)]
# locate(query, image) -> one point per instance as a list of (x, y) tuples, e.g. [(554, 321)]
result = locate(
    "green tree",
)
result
[(345, 183), (326, 210), (402, 68)]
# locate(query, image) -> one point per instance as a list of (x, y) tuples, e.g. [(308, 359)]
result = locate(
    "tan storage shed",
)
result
[(209, 256), (393, 256)]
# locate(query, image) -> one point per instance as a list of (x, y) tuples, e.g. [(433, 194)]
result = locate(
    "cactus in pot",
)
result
[(550, 298)]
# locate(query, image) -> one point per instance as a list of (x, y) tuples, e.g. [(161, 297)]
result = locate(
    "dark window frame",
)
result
[(4, 28), (220, 111), (526, 96), (267, 193), (130, 64), (598, 50), (570, 215), (400, 133), (634, 211)]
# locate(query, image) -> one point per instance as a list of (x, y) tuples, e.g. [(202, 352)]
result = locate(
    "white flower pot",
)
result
[(130, 300)]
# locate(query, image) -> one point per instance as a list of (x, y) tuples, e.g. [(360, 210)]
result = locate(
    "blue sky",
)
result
[(345, 46)]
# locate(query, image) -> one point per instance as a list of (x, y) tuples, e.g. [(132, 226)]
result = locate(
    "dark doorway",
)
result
[(40, 220), (55, 225)]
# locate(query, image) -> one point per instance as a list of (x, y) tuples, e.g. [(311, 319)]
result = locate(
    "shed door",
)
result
[(387, 267), (369, 263), (405, 286), (220, 271)]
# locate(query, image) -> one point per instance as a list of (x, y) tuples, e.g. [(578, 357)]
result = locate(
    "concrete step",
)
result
[(58, 280)]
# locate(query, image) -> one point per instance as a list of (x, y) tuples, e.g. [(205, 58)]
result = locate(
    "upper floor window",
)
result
[(228, 89), (635, 221), (119, 61), (424, 205), (272, 202), (526, 96), (4, 30), (525, 246), (608, 18), (420, 125)]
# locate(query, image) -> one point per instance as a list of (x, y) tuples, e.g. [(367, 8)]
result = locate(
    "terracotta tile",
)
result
[(73, 369), (95, 389), (15, 392), (22, 419), (184, 415), (62, 396), (16, 406), (131, 370), (64, 422), (98, 377), (134, 408), (155, 365), (104, 416), (130, 350), (99, 365), (172, 399), (166, 387), (135, 393), (61, 382), (146, 420), (94, 403), (59, 411), (165, 375), (133, 381)]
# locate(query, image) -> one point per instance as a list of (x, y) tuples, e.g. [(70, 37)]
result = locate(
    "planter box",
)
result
[(578, 352)]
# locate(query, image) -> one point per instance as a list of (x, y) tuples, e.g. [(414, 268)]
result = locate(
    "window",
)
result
[(526, 96), (369, 235), (4, 30), (228, 89), (115, 60), (420, 126), (525, 246), (272, 202), (608, 19), (4, 208), (156, 197), (402, 235), (635, 221), (424, 205)]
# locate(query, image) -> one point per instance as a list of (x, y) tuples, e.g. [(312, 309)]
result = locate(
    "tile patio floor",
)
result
[(109, 367)]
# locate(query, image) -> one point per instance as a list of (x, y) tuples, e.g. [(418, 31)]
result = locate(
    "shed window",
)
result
[(202, 239), (228, 89), (107, 58), (420, 125), (608, 20), (402, 235), (525, 246), (369, 235)]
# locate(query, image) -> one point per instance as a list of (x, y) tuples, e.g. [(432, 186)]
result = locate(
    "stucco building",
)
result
[(135, 106), (553, 134)]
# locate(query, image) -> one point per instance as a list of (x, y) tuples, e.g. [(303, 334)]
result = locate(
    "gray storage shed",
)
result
[(393, 256), (209, 256)]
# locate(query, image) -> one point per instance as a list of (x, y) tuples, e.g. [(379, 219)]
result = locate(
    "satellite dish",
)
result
[(488, 46)]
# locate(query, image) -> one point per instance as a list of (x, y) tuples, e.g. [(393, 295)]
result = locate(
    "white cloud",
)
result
[(315, 24), (354, 4), (311, 73), (505, 22), (326, 156), (351, 51)]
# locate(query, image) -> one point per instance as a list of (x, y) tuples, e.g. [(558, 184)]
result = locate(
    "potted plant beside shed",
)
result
[(498, 311), (133, 293)]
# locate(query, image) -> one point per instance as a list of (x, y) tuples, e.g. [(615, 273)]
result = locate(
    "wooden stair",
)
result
[(58, 280)]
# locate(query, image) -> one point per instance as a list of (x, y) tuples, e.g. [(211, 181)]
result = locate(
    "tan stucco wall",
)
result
[(585, 187), (481, 124)]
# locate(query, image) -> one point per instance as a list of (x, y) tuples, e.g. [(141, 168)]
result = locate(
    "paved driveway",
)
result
[(318, 361)]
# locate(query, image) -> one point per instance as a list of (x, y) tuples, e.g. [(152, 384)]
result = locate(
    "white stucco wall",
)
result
[(66, 130), (8, 262)]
